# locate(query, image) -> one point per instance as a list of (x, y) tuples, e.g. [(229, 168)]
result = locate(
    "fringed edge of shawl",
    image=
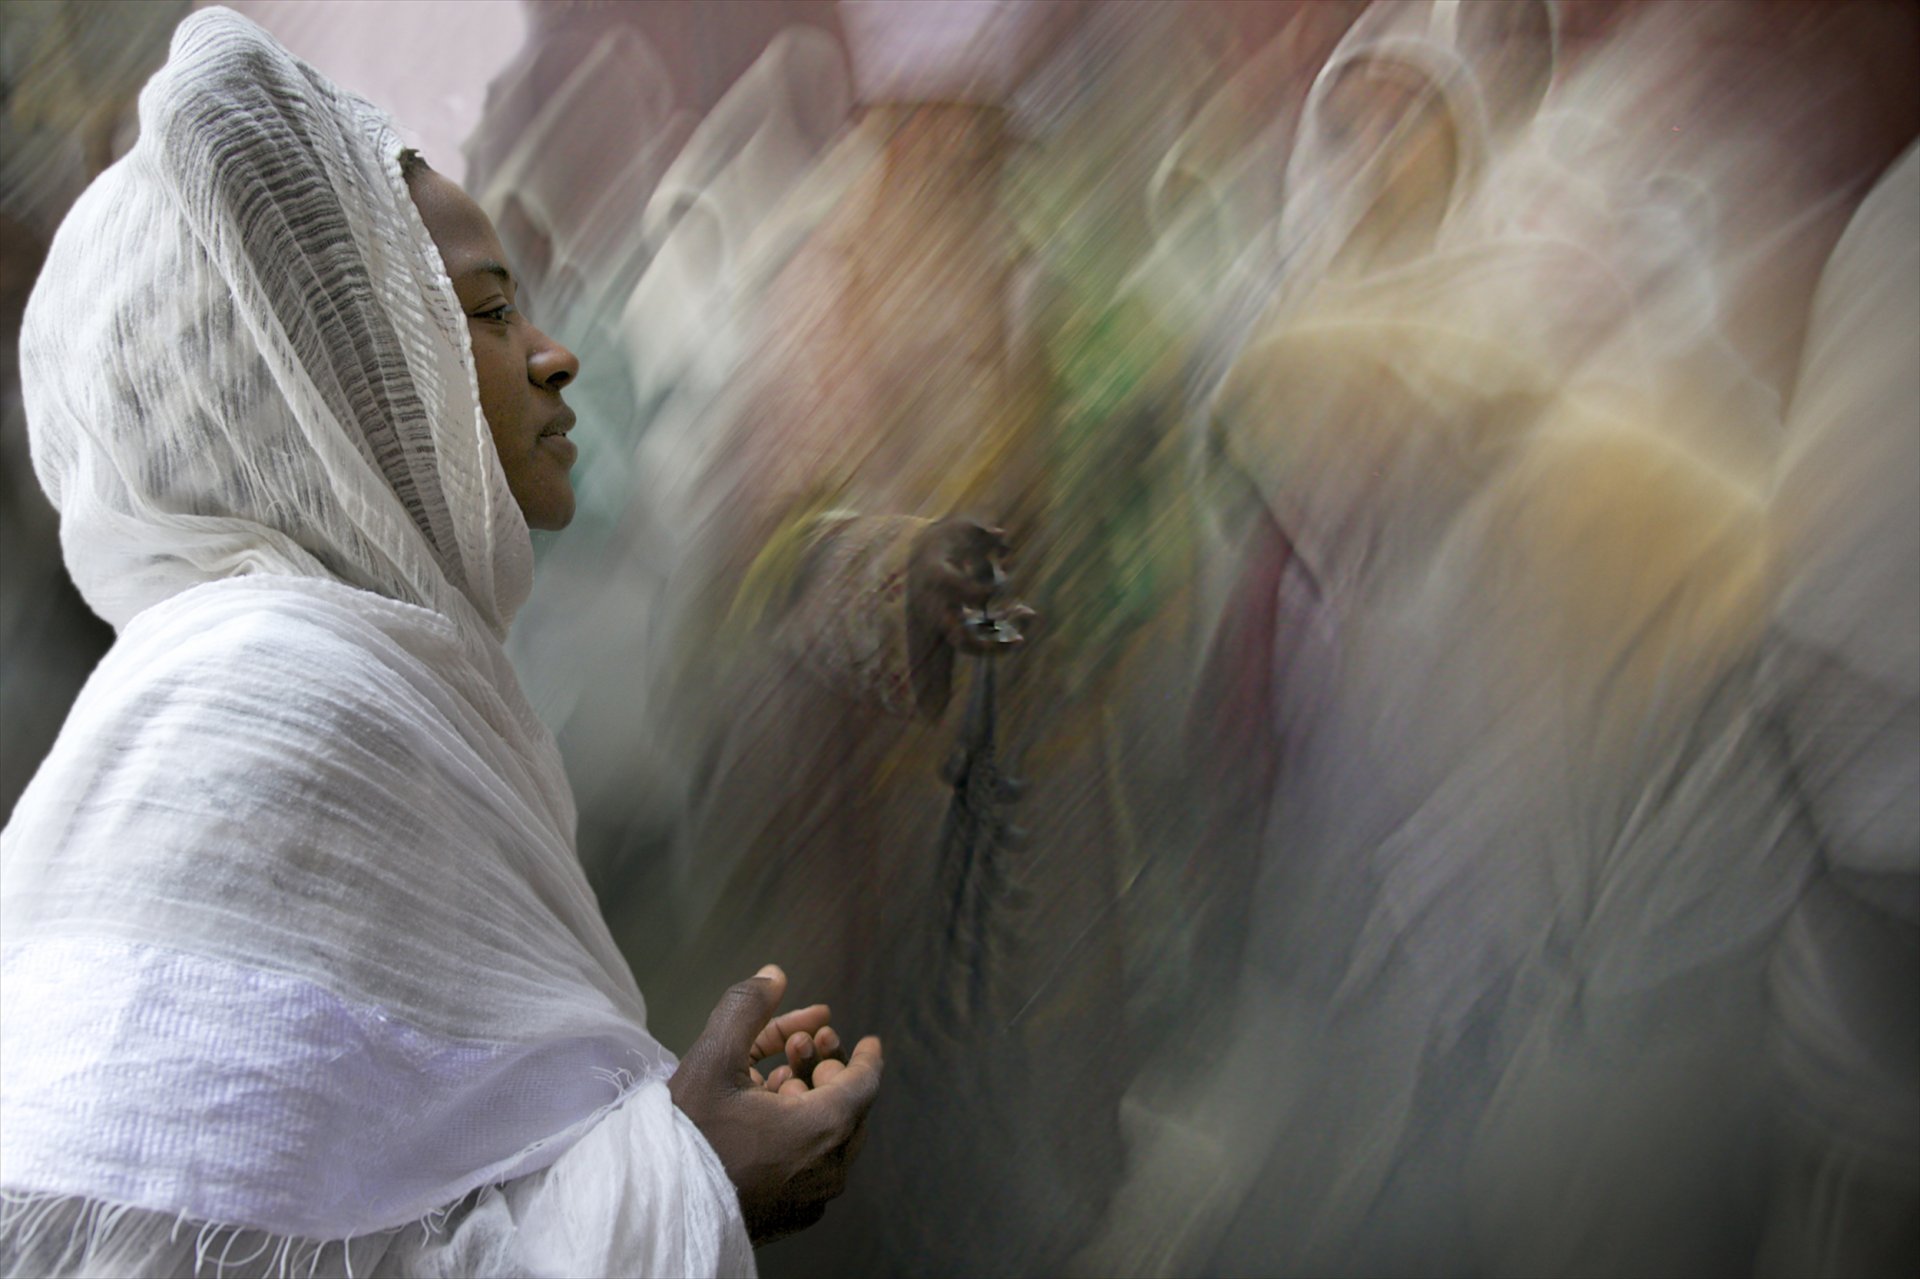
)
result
[(100, 1226), (100, 1229)]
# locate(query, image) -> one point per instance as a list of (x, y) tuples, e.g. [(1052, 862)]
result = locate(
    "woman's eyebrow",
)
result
[(487, 266)]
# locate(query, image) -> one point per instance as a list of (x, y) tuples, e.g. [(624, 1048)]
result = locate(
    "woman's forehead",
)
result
[(460, 228)]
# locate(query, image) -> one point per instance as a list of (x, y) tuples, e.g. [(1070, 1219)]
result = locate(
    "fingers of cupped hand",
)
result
[(721, 1059), (849, 1091), (805, 1053), (774, 1036), (835, 1104), (801, 1055)]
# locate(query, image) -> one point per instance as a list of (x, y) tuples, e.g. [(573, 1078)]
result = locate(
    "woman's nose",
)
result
[(551, 365)]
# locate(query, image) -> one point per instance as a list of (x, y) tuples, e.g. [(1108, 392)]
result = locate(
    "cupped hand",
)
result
[(807, 1053), (786, 1139)]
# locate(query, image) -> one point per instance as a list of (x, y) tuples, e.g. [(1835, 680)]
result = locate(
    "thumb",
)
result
[(739, 1017)]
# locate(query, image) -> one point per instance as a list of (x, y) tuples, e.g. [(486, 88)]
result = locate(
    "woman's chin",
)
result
[(551, 514)]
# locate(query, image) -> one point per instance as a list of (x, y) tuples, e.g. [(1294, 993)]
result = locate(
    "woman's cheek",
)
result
[(495, 371)]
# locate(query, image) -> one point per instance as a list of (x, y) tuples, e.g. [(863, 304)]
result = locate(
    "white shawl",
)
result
[(295, 937)]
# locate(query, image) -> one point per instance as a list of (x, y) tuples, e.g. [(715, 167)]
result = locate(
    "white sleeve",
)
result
[(641, 1194)]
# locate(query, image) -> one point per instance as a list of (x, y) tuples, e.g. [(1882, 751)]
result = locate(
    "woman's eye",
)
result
[(499, 314)]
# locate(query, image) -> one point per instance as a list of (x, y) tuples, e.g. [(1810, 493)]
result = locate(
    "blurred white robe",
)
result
[(1529, 848)]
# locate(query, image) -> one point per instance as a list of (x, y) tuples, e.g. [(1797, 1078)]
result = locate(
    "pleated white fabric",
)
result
[(296, 941), (1847, 683)]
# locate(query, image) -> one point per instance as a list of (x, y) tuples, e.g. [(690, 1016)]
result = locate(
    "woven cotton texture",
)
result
[(296, 939)]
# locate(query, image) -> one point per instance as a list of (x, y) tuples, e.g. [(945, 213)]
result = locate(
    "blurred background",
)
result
[(1458, 809)]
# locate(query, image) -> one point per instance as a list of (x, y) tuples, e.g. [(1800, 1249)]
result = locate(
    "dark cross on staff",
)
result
[(975, 837)]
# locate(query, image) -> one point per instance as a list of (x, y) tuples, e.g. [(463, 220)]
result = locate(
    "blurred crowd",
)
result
[(1457, 809)]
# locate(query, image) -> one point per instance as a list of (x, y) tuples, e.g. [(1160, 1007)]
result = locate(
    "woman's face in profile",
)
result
[(521, 370)]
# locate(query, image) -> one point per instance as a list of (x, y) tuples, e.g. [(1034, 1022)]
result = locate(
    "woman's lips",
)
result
[(560, 447), (554, 438)]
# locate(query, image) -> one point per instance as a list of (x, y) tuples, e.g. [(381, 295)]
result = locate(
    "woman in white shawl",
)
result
[(297, 948)]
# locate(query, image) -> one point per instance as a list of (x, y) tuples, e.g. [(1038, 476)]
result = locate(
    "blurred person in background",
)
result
[(1527, 938), (887, 429), (1388, 151), (1527, 846), (298, 952)]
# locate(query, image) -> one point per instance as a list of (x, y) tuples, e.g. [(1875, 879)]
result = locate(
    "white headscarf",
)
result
[(296, 939), (1331, 183), (244, 356)]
